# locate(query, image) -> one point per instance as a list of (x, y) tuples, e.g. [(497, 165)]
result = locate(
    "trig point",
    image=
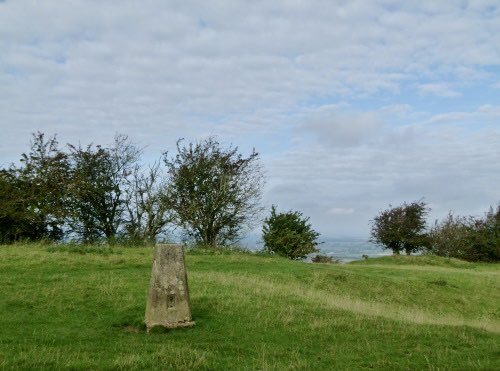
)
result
[(168, 302)]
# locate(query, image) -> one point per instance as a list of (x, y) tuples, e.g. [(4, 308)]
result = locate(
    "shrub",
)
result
[(451, 237), (485, 239), (289, 234), (467, 238), (324, 259)]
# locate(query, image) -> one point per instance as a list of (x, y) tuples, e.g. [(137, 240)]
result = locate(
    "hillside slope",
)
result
[(61, 309)]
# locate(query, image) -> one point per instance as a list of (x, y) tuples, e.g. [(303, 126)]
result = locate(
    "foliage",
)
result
[(45, 177), (104, 194), (33, 194), (213, 192), (401, 228), (450, 237), (468, 238), (15, 223), (289, 234), (485, 241), (97, 193)]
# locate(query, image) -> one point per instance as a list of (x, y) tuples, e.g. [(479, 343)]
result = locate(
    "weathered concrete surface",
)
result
[(168, 302)]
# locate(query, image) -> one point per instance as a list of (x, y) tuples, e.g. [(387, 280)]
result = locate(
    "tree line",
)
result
[(99, 193), (105, 194), (404, 229), (211, 193)]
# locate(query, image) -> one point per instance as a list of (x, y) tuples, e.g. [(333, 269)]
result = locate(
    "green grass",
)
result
[(422, 260), (83, 309)]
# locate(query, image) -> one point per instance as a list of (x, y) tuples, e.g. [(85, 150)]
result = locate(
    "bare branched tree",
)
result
[(148, 212)]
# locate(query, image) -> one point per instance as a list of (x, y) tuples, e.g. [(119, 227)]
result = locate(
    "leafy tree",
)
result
[(401, 228), (213, 192), (33, 193), (15, 221), (97, 193), (289, 234), (43, 180)]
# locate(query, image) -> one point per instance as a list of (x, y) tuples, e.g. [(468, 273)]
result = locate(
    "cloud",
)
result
[(338, 128), (348, 102), (452, 167), (438, 89), (485, 114), (341, 211)]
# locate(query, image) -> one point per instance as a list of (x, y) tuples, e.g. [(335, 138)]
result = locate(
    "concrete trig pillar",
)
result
[(168, 302)]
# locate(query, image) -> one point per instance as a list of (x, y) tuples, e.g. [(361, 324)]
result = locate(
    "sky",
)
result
[(352, 105)]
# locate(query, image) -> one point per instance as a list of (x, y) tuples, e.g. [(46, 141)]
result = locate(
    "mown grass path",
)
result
[(65, 310)]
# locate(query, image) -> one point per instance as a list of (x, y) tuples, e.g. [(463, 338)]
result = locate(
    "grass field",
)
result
[(74, 310)]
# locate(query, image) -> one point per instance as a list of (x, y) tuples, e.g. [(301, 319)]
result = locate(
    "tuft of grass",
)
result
[(438, 282), (85, 311)]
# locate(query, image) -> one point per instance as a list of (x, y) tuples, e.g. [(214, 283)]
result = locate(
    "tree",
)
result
[(485, 240), (451, 237), (468, 238), (148, 213), (213, 192), (99, 180), (39, 189), (15, 221), (289, 234), (401, 228), (32, 194)]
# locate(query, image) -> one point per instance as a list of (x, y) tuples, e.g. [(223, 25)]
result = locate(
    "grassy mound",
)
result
[(61, 309)]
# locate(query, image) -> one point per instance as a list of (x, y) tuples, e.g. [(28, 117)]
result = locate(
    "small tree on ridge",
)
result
[(401, 228)]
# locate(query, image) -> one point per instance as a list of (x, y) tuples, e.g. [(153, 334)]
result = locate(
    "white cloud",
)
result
[(340, 211), (269, 74), (485, 114), (451, 166), (339, 128), (438, 89)]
